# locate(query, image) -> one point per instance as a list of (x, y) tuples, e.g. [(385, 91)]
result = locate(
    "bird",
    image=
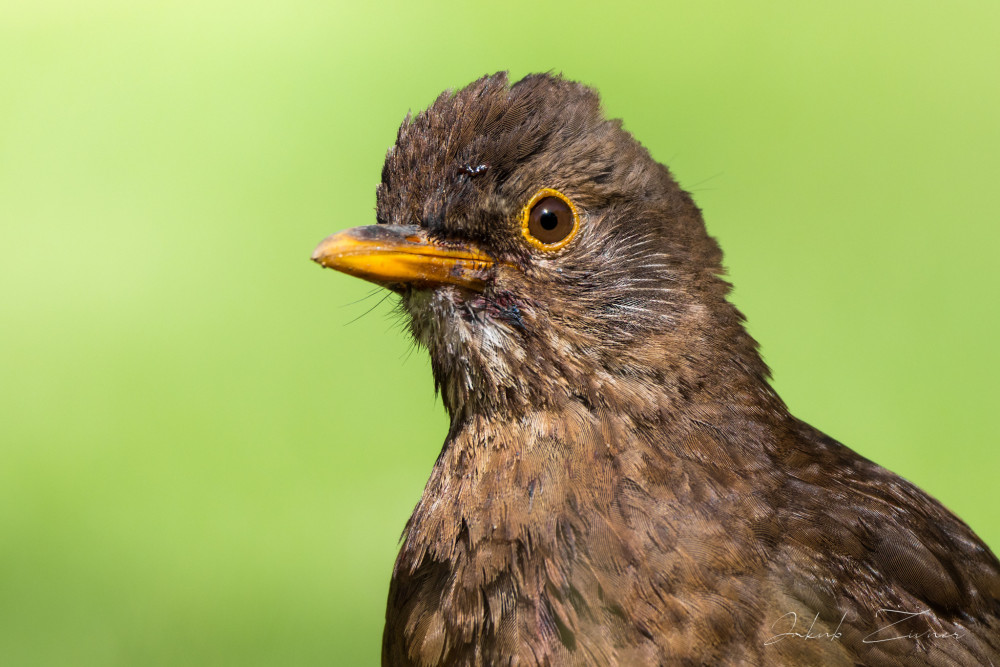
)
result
[(620, 484)]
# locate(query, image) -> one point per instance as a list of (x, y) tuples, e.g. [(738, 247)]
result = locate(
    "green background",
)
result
[(205, 460)]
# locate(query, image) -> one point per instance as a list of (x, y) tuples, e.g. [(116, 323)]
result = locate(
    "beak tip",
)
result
[(319, 254)]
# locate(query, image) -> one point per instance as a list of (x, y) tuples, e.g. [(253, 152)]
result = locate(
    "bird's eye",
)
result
[(550, 220)]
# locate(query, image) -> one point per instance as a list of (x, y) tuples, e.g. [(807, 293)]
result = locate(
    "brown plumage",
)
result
[(620, 484)]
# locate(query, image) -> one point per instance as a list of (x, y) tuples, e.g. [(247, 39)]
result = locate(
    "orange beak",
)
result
[(395, 255)]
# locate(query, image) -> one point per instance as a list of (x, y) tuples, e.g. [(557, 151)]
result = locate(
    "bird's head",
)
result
[(542, 255)]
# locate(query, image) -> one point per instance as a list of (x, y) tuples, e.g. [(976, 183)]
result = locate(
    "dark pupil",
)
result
[(548, 220)]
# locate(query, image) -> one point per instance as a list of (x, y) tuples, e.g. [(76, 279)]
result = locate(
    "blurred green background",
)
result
[(207, 458)]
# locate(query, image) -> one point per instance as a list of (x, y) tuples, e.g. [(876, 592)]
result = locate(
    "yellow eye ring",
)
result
[(550, 220)]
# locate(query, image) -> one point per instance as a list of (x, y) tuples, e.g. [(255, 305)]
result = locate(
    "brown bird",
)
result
[(620, 483)]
